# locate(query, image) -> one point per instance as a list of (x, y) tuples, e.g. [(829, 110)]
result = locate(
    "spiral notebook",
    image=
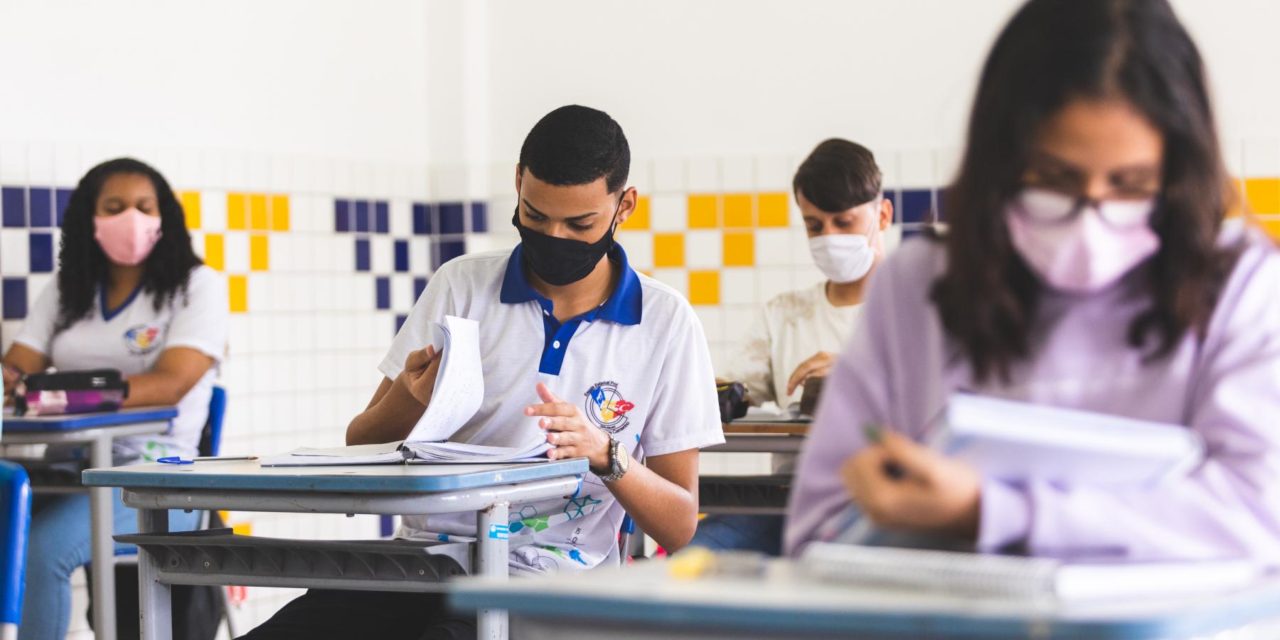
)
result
[(979, 575)]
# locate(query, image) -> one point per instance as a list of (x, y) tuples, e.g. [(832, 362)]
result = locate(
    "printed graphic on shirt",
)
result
[(606, 407), (527, 520), (142, 339)]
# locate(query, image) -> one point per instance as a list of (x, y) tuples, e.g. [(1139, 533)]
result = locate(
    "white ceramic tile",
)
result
[(36, 284), (1261, 157), (641, 176), (382, 256), (738, 286), (401, 214), (771, 281), (402, 292), (15, 255), (419, 255), (40, 163), (774, 173), (738, 173), (236, 246), (669, 212), (712, 319), (703, 249), (639, 247), (774, 248), (738, 320), (669, 175), (68, 167), (13, 163), (704, 175), (916, 169), (677, 279), (213, 210), (450, 183), (947, 164)]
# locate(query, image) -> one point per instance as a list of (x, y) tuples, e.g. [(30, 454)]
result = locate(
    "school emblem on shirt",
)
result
[(606, 407), (142, 339)]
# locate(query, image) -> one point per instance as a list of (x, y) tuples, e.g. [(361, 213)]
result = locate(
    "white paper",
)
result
[(383, 453), (459, 387)]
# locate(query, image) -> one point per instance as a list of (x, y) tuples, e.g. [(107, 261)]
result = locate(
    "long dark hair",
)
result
[(1050, 53), (82, 265)]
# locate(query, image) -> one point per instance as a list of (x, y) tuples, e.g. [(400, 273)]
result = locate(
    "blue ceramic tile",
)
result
[(446, 250), (402, 255), (341, 215), (362, 254), (14, 293), (479, 217), (941, 205), (40, 246), (40, 207), (422, 219), (381, 217), (419, 285), (13, 207), (400, 322), (917, 205), (386, 524), (382, 292), (362, 216), (63, 197), (452, 216)]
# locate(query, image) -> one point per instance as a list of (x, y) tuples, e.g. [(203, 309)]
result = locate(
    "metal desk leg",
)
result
[(491, 562), (153, 596), (101, 529)]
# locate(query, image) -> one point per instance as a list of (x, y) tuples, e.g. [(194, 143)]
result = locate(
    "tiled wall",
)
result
[(321, 275)]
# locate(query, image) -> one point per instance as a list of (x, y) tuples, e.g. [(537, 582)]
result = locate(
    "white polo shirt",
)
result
[(131, 339), (638, 365)]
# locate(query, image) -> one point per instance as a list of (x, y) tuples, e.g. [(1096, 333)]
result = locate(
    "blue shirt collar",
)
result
[(623, 306)]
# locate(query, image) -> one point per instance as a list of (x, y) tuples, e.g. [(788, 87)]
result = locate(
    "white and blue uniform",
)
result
[(131, 339), (637, 365)]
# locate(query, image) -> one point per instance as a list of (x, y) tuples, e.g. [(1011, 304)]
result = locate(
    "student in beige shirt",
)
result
[(799, 332)]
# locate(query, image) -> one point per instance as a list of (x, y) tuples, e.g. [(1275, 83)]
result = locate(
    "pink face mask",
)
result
[(127, 237), (1084, 252)]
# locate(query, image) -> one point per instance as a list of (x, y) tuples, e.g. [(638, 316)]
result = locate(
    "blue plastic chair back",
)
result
[(15, 522), (211, 438)]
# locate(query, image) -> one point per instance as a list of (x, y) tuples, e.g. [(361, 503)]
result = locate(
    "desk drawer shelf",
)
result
[(220, 557), (754, 495)]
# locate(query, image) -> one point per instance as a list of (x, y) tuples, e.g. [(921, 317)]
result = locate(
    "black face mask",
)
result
[(561, 261)]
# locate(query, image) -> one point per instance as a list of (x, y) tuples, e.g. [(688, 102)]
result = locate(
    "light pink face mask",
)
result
[(1085, 253), (127, 237)]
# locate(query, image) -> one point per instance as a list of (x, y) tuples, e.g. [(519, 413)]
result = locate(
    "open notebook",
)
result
[(455, 398), (978, 575)]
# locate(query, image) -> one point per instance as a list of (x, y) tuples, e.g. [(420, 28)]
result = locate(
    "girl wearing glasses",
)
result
[(1086, 265)]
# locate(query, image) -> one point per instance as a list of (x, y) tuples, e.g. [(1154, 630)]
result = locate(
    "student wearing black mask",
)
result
[(577, 348)]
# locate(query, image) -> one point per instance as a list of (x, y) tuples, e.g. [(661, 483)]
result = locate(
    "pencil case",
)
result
[(68, 392)]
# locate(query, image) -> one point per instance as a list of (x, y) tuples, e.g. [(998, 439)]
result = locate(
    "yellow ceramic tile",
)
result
[(259, 253), (238, 287), (703, 210), (639, 220), (737, 211), (704, 287), (1271, 225), (668, 250), (191, 208), (215, 254), (258, 218), (237, 212), (280, 212), (773, 209), (739, 249), (242, 528), (1263, 194)]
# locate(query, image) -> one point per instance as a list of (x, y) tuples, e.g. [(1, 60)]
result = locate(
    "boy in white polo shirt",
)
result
[(610, 364)]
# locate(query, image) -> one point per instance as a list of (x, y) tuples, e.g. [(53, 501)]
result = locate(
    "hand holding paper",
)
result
[(420, 371)]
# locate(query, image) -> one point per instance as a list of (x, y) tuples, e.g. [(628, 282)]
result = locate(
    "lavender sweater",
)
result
[(899, 368)]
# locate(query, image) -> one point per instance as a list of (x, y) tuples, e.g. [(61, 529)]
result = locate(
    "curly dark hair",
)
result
[(82, 265), (1050, 53)]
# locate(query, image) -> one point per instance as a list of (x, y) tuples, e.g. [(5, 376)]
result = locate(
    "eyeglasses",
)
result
[(1044, 206)]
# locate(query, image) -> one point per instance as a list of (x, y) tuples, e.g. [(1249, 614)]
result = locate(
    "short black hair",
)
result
[(577, 145), (837, 176)]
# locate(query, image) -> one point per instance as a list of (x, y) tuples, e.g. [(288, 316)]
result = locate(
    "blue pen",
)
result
[(174, 460)]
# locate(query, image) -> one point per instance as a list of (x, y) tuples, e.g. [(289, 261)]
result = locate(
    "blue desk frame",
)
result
[(486, 490), (98, 431)]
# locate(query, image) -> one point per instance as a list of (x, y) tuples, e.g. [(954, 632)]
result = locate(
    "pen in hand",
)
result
[(891, 468)]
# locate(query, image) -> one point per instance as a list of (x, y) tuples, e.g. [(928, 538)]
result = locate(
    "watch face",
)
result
[(624, 459)]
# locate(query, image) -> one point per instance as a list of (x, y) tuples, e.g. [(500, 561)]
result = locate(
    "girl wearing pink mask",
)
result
[(1086, 265), (131, 295)]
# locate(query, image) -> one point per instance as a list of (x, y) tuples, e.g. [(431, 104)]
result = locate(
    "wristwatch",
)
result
[(619, 462)]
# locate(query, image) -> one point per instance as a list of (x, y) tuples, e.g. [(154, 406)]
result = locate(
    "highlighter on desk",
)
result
[(696, 562)]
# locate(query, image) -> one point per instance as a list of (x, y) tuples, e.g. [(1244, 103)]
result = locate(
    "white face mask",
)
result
[(843, 257)]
